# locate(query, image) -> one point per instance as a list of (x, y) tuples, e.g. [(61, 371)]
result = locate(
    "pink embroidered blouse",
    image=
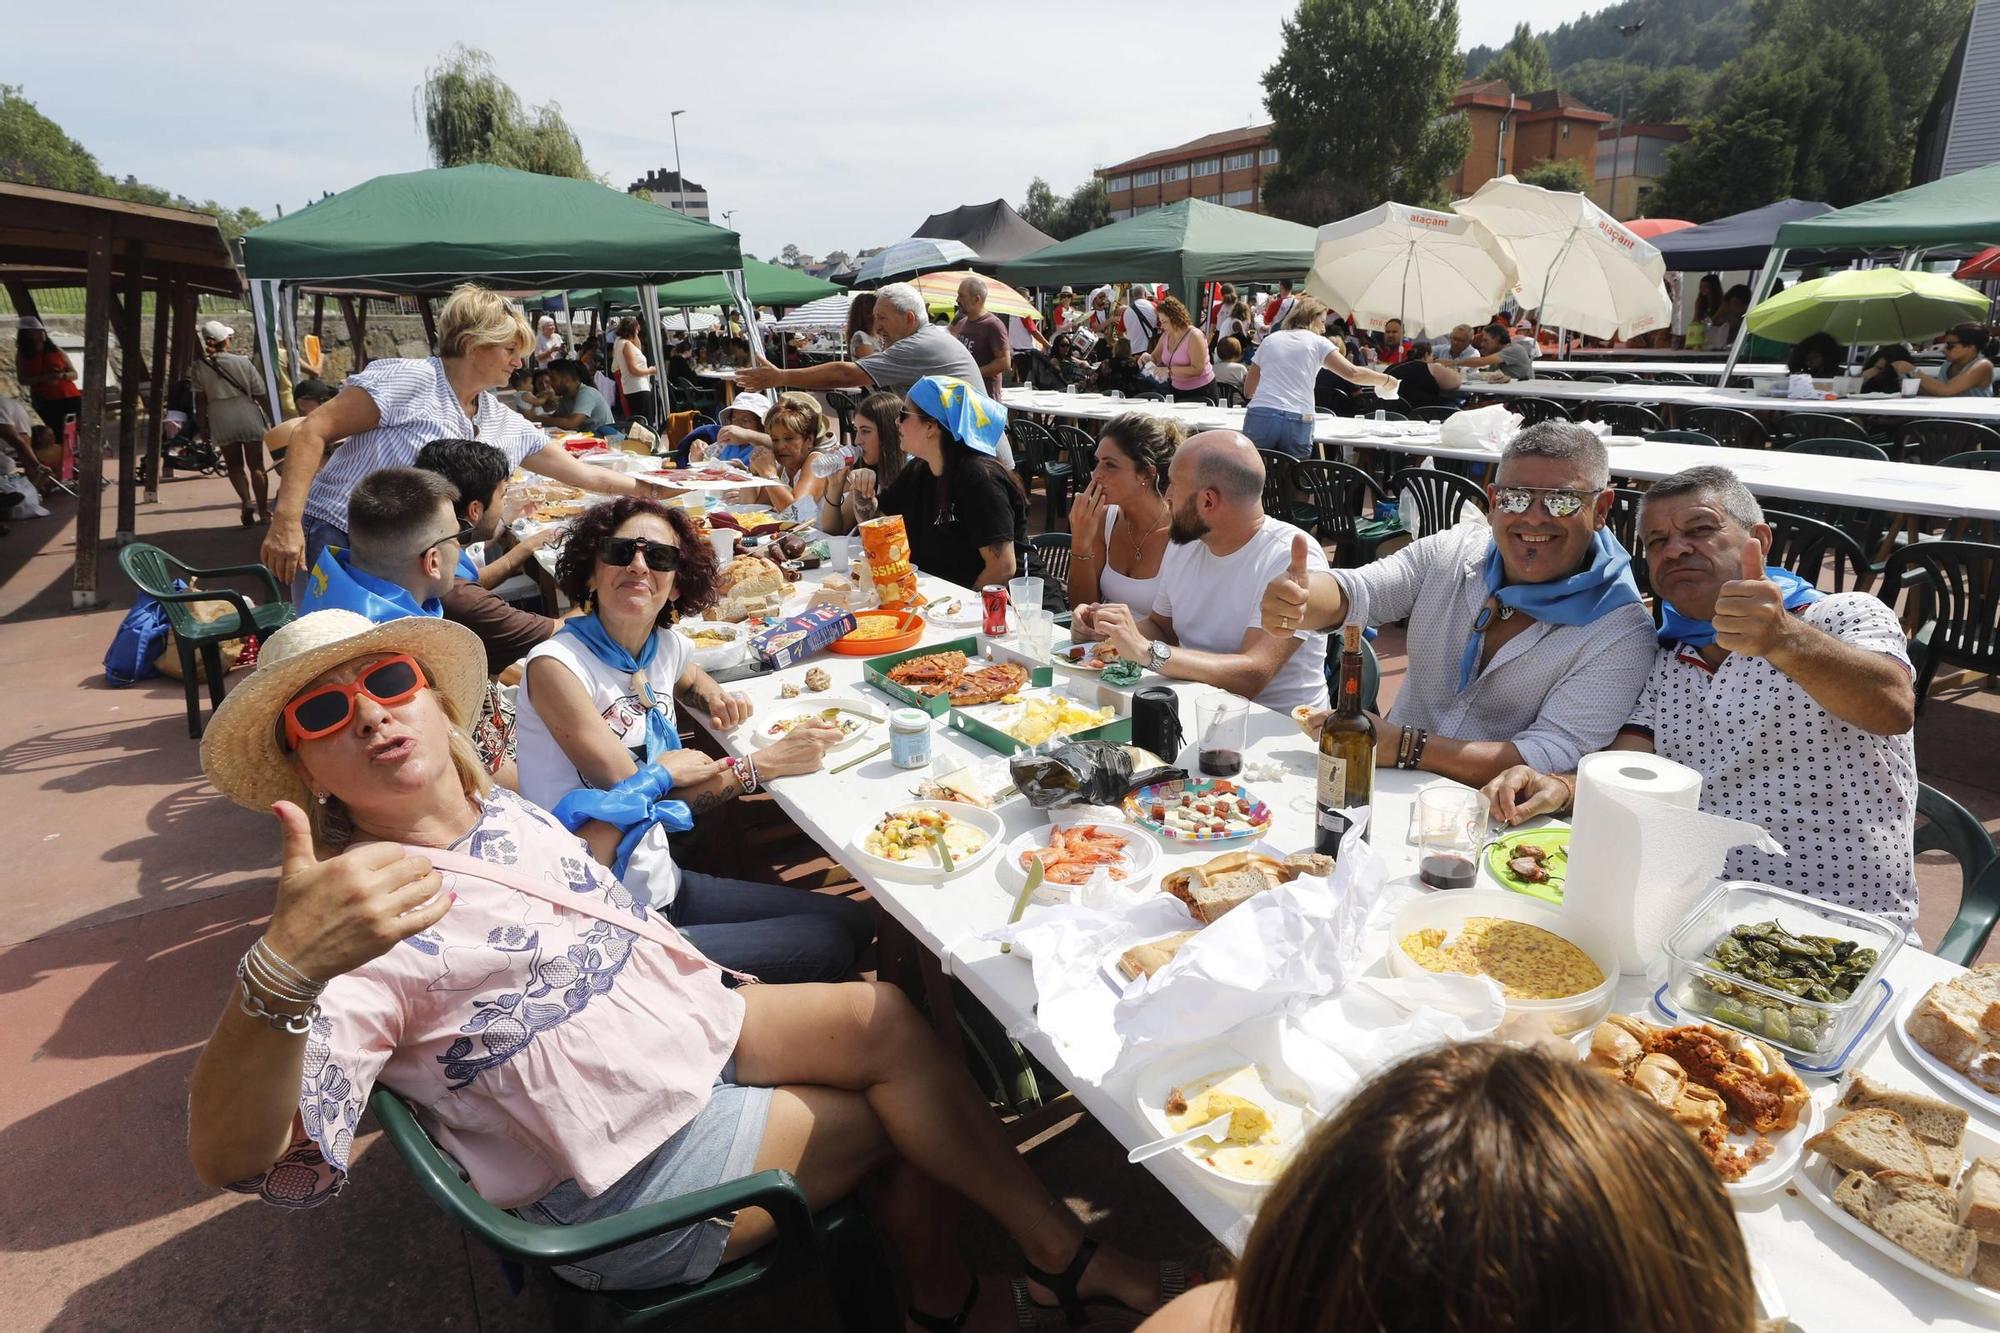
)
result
[(537, 1043)]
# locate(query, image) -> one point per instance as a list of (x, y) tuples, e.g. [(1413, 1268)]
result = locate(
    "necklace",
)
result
[(1139, 539)]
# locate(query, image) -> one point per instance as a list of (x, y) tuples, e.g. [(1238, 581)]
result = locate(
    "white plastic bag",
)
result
[(1486, 428)]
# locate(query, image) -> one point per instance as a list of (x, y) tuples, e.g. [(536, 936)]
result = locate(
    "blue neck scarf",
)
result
[(334, 584), (1604, 585), (634, 805), (1677, 628), (467, 571)]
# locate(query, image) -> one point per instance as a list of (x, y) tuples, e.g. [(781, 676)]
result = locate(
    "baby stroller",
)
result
[(181, 450)]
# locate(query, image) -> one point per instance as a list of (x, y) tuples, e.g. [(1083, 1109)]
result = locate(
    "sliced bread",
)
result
[(1949, 1023), (1929, 1119), (1986, 1270), (1872, 1141), (1142, 960), (1979, 1200), (1215, 895), (1944, 1161), (1905, 1210)]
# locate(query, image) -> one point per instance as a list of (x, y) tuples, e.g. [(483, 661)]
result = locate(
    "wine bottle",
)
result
[(1346, 752)]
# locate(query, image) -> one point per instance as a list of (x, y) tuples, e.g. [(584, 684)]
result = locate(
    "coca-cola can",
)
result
[(994, 596)]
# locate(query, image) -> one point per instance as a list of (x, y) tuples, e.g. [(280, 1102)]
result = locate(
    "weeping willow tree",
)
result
[(469, 114)]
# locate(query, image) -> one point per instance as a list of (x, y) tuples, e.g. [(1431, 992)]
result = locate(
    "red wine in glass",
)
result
[(1445, 871), (1222, 763)]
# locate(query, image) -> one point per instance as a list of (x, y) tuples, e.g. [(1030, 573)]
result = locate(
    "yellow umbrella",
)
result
[(940, 292)]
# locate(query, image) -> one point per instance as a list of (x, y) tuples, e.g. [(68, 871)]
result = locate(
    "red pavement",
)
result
[(142, 886)]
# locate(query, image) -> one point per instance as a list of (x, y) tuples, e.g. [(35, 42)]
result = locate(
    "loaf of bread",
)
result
[(1958, 1021), (1979, 1200), (1914, 1213)]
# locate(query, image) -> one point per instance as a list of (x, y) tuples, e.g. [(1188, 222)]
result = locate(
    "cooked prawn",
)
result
[(1074, 854)]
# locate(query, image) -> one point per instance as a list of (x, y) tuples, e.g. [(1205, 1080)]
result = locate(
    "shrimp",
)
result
[(1074, 854)]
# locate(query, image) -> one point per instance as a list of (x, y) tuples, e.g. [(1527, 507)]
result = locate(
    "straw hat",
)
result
[(240, 752)]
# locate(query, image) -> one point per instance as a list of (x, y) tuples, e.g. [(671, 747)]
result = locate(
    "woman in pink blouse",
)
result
[(569, 1050)]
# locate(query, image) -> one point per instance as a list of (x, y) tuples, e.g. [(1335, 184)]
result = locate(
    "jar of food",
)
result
[(909, 738)]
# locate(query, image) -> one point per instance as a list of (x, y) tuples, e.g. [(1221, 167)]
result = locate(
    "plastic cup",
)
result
[(723, 542), (1450, 822), (1023, 593), (1037, 630), (1912, 386), (1221, 726)]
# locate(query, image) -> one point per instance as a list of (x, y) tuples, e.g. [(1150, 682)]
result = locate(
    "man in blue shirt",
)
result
[(406, 541)]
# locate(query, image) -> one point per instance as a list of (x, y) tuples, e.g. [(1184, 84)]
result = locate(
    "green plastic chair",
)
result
[(153, 572), (814, 1275), (1950, 827)]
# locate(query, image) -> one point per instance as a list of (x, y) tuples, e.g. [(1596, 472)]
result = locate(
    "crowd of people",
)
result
[(480, 904)]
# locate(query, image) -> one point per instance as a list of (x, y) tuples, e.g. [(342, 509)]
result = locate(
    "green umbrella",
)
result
[(1869, 305)]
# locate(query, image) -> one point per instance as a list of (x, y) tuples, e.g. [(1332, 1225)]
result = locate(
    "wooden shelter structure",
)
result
[(117, 252)]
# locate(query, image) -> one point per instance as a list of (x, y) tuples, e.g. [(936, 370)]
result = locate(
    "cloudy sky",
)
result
[(827, 126)]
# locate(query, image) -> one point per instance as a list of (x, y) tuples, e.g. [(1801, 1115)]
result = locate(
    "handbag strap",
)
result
[(458, 863)]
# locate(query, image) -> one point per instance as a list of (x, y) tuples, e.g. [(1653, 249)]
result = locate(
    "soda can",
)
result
[(994, 596)]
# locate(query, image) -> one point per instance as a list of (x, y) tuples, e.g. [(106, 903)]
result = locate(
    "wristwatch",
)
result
[(1157, 654)]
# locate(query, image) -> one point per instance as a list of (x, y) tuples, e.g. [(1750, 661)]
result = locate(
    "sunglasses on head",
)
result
[(1558, 503), (391, 681), (661, 557)]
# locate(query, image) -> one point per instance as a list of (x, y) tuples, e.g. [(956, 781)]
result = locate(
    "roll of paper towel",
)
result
[(1641, 851)]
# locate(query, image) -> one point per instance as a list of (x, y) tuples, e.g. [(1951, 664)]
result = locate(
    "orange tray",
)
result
[(853, 645)]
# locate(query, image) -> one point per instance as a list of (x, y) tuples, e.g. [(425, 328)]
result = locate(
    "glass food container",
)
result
[(1792, 1015)]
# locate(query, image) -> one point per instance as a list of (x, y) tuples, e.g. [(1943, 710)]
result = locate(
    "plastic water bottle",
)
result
[(826, 462)]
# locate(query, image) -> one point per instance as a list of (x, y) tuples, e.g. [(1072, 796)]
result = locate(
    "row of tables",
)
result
[(1920, 407), (1822, 1277), (1908, 488)]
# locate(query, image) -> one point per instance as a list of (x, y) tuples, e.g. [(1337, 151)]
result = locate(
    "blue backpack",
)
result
[(141, 638)]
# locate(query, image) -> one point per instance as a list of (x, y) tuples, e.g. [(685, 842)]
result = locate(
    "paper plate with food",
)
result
[(1072, 853), (1532, 861), (1198, 810), (957, 612), (1266, 1109), (1737, 1097), (1952, 1031), (928, 839), (717, 643), (856, 719), (1914, 1178)]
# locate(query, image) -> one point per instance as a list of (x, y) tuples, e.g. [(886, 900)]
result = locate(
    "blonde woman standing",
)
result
[(392, 409), (226, 397)]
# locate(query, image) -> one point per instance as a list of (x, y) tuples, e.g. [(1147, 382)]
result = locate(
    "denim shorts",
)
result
[(1269, 428), (720, 1144)]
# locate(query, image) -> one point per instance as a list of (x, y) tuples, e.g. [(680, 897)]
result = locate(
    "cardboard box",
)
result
[(973, 722), (795, 638), (876, 672)]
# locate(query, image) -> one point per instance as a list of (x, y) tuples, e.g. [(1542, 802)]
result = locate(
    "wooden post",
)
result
[(156, 402), (129, 375), (23, 299), (430, 323), (355, 328), (180, 343), (90, 421), (319, 317)]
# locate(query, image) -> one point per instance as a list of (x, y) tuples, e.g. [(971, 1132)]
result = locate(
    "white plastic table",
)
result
[(1985, 410), (1826, 1279), (1699, 369), (1773, 475)]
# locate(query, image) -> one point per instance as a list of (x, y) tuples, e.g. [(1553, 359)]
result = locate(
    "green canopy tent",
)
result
[(1182, 245), (767, 284), (1957, 210), (423, 232)]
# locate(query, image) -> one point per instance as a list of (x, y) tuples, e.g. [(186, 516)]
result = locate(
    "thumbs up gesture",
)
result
[(1284, 606), (1750, 615), (333, 915)]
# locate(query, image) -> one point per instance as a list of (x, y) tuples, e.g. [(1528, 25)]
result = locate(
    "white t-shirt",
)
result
[(1213, 600), (1135, 331), (13, 412), (547, 774), (1287, 368)]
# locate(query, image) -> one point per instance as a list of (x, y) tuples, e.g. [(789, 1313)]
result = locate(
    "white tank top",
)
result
[(547, 774), (1115, 587), (627, 381)]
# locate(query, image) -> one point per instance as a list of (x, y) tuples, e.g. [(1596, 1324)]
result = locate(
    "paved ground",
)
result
[(137, 889)]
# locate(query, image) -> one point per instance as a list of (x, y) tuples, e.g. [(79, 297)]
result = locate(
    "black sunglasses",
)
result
[(463, 537), (661, 557)]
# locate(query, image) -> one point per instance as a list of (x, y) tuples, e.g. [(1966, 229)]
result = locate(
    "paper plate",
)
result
[(1957, 1084), (1139, 806), (1141, 854), (757, 731), (984, 820), (728, 654), (1157, 1081)]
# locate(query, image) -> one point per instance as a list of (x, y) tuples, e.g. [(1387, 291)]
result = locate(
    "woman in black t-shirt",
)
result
[(965, 513)]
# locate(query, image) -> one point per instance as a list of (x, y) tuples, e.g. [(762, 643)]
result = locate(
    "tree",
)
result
[(469, 114), (1670, 96), (1559, 173), (1041, 209), (789, 256), (1726, 167), (1912, 39), (1523, 63), (1086, 208), (1359, 101)]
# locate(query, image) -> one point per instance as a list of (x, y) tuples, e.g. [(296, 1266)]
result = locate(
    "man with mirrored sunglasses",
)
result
[(1527, 634)]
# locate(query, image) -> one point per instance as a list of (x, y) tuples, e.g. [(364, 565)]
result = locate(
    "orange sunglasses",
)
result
[(391, 681)]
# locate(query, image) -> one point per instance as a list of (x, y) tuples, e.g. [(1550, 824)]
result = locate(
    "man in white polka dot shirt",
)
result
[(1795, 707)]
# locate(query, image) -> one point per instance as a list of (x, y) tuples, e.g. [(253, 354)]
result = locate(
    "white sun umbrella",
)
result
[(690, 321), (829, 312), (1431, 270), (918, 254), (1580, 268)]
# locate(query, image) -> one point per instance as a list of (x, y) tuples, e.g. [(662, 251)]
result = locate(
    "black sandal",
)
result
[(1074, 1305), (945, 1323)]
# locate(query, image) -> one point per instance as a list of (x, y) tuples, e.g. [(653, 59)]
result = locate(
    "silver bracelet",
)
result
[(250, 1003), (261, 964)]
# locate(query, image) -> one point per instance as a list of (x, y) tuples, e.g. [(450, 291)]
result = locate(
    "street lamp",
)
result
[(1628, 31), (675, 122), (728, 214)]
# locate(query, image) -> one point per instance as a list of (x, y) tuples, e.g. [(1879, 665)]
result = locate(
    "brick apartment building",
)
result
[(1639, 156), (1513, 134), (1226, 168)]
